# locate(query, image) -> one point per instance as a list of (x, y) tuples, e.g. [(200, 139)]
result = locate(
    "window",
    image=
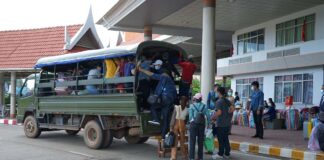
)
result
[(28, 88), (243, 87), (297, 30), (300, 86), (250, 42)]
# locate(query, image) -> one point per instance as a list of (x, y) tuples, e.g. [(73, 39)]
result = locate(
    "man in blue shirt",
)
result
[(167, 90), (257, 103), (212, 98), (144, 86)]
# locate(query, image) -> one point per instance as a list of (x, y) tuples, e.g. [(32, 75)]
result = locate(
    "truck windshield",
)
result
[(28, 88)]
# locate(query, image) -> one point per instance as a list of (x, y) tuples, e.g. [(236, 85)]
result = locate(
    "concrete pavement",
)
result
[(57, 145)]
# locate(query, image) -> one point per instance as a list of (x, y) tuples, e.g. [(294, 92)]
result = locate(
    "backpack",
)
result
[(200, 116)]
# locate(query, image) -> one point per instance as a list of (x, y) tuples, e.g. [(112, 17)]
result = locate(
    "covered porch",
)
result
[(204, 28)]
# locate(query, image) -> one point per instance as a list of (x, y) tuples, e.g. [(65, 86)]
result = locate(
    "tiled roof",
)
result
[(22, 48)]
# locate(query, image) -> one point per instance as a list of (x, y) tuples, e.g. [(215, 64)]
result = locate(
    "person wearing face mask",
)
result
[(257, 104), (322, 99), (157, 66)]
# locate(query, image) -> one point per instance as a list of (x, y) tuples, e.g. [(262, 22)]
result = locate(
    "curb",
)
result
[(9, 122), (275, 151)]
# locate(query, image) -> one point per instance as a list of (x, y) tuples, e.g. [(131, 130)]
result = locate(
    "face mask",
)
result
[(157, 67), (252, 88), (322, 91), (229, 93)]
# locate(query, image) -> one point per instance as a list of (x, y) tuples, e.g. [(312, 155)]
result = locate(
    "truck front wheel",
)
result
[(93, 135), (31, 127)]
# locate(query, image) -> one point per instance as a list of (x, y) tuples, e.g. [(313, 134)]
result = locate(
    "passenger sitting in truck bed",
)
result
[(61, 90), (120, 73), (111, 69), (129, 66), (167, 91), (94, 73)]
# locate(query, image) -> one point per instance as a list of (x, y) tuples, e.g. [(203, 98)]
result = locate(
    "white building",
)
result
[(286, 55)]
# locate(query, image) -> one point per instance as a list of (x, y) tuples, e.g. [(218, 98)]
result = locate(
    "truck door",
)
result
[(26, 98)]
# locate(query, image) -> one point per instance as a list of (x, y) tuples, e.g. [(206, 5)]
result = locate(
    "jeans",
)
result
[(184, 88), (223, 141), (214, 128), (92, 89), (258, 123), (166, 112), (197, 131)]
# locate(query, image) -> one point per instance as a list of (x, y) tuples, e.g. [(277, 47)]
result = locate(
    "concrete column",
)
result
[(147, 33), (2, 90), (13, 95), (208, 60)]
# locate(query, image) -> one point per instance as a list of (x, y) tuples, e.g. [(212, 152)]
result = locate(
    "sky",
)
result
[(27, 14)]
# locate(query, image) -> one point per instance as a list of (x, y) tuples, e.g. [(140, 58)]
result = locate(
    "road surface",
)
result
[(58, 145)]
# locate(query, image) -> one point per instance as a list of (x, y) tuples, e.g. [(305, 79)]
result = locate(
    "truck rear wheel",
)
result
[(31, 127), (72, 132), (93, 135), (108, 138), (135, 139)]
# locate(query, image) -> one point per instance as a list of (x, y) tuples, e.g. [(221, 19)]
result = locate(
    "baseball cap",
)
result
[(198, 96), (158, 62)]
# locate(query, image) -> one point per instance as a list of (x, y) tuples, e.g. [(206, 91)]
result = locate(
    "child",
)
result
[(197, 113)]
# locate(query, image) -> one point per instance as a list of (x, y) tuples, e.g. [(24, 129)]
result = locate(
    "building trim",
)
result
[(282, 63), (89, 25)]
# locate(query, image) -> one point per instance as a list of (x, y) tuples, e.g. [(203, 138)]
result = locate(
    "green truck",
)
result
[(55, 98)]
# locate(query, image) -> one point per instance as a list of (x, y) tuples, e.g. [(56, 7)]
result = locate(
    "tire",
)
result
[(93, 135), (143, 140), (31, 127), (72, 132), (135, 139), (108, 138)]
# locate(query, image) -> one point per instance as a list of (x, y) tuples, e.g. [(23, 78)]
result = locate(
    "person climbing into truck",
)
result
[(166, 90)]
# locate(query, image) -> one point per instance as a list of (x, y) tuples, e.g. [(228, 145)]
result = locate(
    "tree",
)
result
[(195, 86)]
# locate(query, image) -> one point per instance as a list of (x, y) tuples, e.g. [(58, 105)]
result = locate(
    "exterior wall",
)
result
[(270, 27), (268, 82), (306, 48)]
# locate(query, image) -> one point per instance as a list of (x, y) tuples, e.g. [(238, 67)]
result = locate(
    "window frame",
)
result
[(247, 82), (283, 82), (281, 27), (246, 39)]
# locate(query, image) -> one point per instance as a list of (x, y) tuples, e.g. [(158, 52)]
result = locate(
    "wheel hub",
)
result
[(30, 127), (92, 134)]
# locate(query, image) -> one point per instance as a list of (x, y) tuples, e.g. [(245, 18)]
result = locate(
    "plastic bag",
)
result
[(209, 133), (251, 120), (169, 140), (313, 144), (209, 144)]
